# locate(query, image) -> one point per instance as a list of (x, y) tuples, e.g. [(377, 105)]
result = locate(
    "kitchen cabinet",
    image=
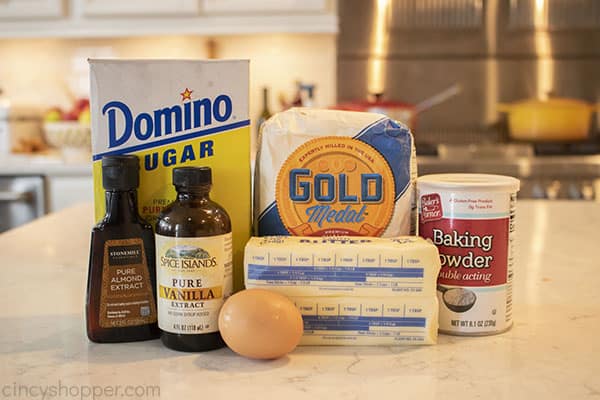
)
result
[(241, 6), (21, 200), (30, 9), (64, 183), (123, 18), (117, 8), (65, 191)]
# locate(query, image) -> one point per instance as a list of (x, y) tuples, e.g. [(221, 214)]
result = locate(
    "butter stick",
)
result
[(342, 266), (368, 321)]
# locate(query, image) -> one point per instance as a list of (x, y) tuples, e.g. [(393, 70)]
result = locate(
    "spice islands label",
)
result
[(335, 186), (194, 277)]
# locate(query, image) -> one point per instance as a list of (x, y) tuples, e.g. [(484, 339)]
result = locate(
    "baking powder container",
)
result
[(471, 219)]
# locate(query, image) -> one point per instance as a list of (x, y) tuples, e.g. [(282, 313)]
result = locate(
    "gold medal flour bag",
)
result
[(332, 173), (176, 113)]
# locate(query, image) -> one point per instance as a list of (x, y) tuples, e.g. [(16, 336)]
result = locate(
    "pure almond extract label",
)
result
[(194, 277), (126, 298)]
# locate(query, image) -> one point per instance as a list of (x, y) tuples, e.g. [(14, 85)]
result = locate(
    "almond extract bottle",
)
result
[(120, 303), (194, 264)]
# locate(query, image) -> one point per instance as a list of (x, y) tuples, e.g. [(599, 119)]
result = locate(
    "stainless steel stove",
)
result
[(496, 52), (545, 173)]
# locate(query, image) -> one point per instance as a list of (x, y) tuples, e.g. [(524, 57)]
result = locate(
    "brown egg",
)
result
[(260, 324)]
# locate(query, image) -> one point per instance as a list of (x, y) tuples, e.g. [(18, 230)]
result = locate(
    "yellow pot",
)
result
[(555, 119)]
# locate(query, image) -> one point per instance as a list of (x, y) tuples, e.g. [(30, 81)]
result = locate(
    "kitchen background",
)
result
[(455, 70)]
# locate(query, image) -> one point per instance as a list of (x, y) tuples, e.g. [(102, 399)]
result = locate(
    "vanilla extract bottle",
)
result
[(194, 263), (121, 287)]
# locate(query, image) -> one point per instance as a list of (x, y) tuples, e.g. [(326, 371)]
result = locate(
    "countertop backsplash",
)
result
[(277, 61)]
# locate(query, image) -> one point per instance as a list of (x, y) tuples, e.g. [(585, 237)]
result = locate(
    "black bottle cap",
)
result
[(120, 172), (192, 176)]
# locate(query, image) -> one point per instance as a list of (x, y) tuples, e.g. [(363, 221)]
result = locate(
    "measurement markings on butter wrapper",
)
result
[(369, 276), (362, 325), (345, 319)]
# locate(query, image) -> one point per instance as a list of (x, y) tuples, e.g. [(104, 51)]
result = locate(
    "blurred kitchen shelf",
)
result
[(51, 163), (212, 25), (31, 9), (119, 8), (115, 18)]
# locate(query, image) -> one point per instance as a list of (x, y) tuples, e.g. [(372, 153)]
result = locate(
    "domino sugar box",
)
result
[(173, 113)]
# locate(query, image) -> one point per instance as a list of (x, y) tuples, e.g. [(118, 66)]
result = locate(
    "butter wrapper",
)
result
[(361, 321), (342, 266)]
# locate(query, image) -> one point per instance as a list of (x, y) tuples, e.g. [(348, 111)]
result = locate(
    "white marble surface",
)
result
[(552, 352), (51, 163)]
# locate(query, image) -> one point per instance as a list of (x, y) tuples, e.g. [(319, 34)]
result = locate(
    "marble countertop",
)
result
[(552, 352), (51, 163)]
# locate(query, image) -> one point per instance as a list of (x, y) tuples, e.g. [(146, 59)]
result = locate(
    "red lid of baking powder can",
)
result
[(471, 220)]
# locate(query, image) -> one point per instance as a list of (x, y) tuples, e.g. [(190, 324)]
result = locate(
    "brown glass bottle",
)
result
[(121, 287), (194, 266)]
